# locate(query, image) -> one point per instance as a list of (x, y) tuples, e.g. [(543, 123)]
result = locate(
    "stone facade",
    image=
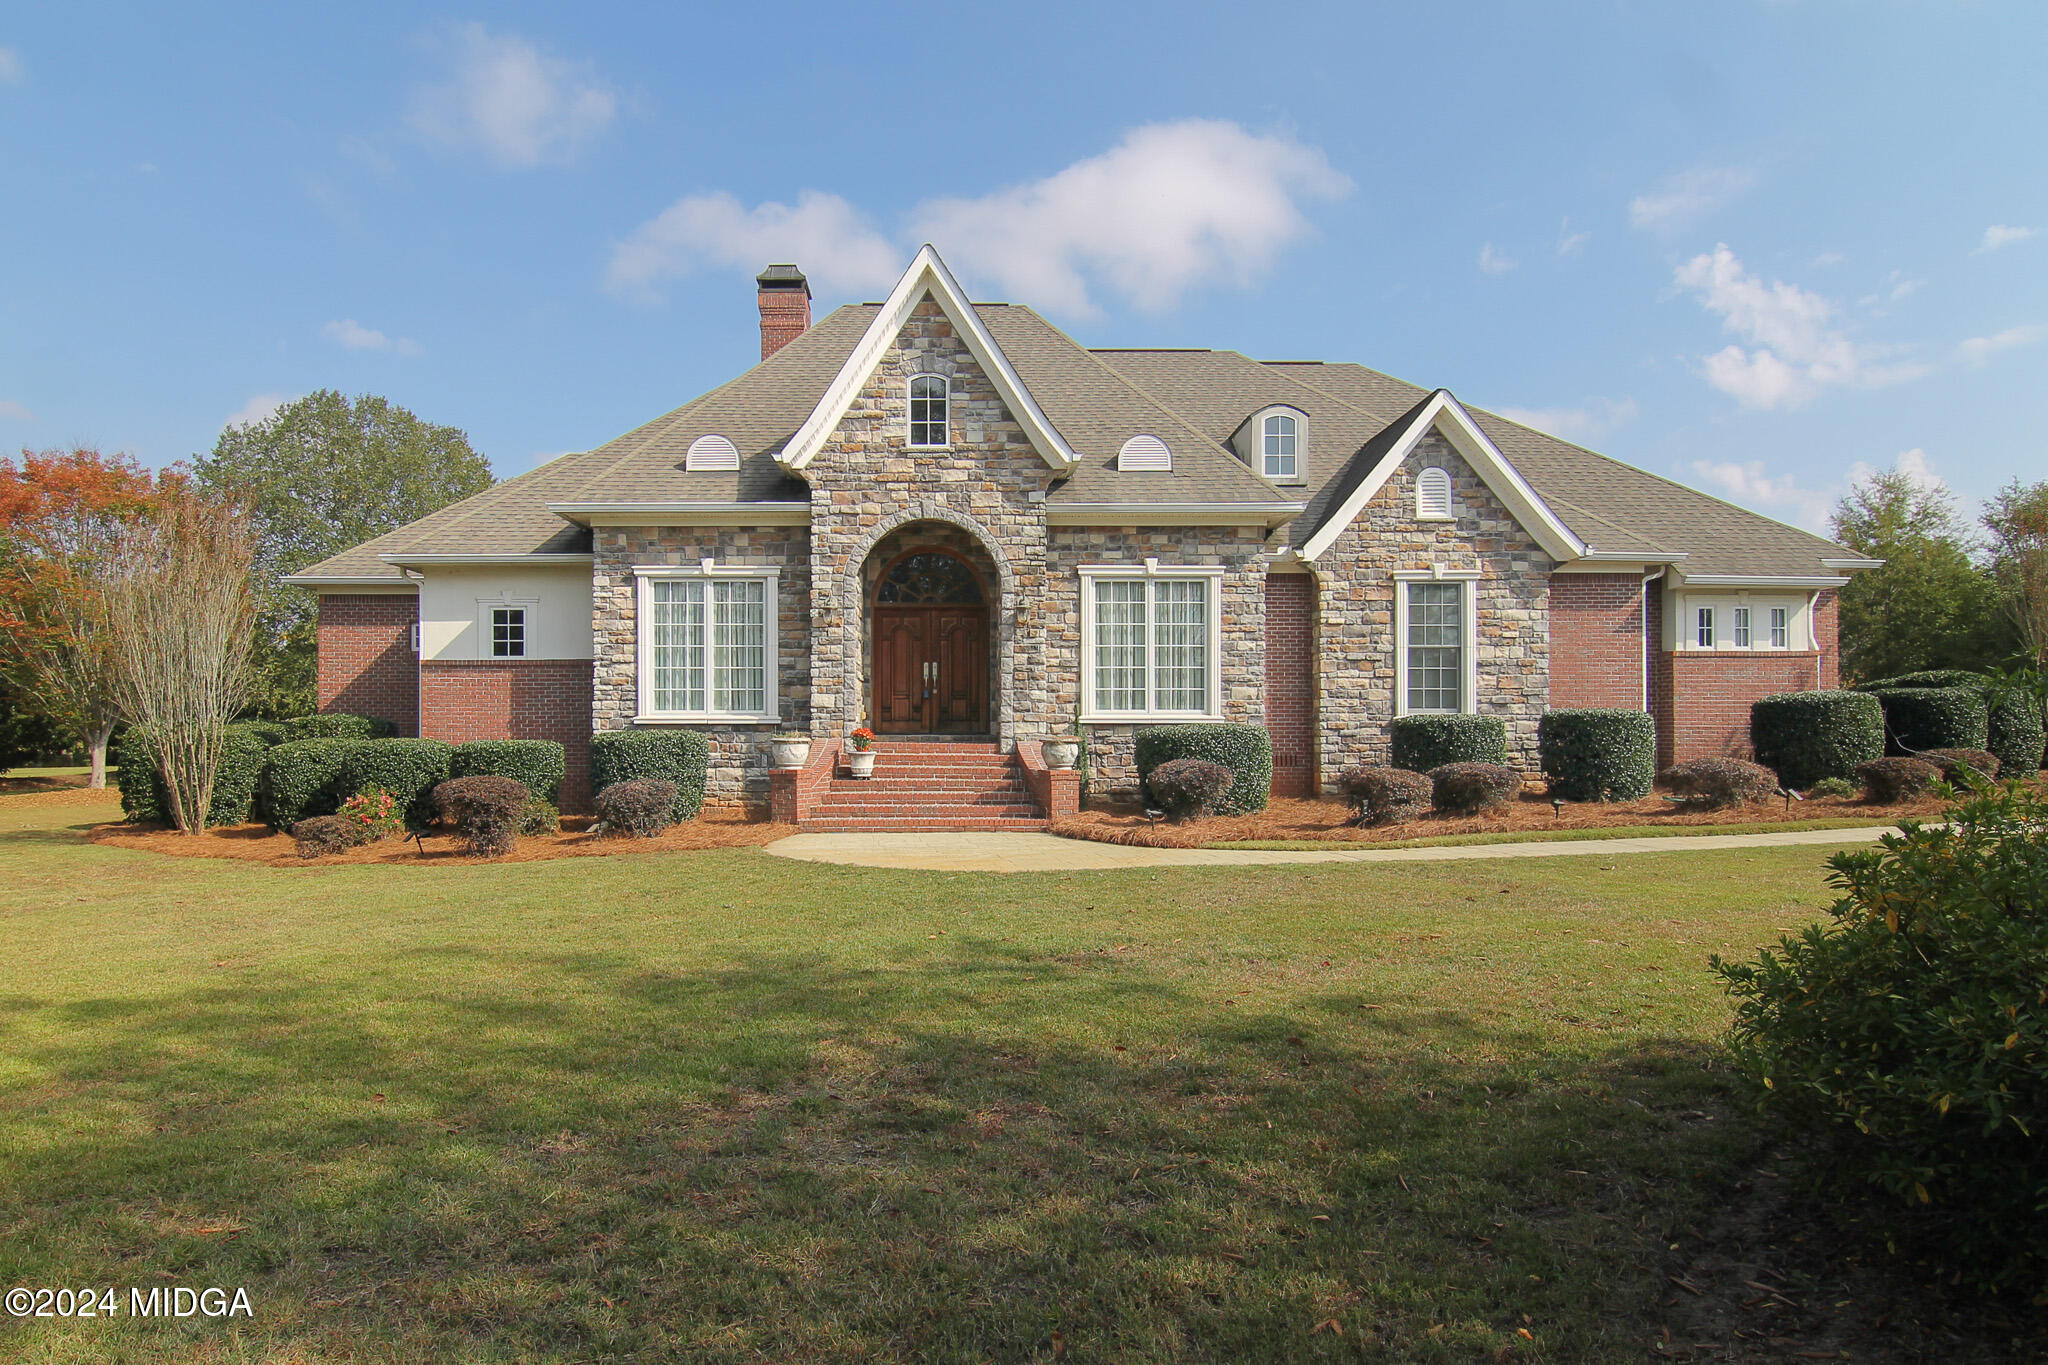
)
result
[(1356, 584)]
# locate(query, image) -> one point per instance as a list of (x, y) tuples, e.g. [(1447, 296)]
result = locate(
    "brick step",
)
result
[(981, 763), (926, 784), (963, 809), (923, 825)]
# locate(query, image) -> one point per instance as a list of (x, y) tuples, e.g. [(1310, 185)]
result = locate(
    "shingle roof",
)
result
[(1194, 400)]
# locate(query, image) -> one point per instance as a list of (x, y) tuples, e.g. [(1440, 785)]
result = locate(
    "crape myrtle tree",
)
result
[(318, 475), (2017, 519), (63, 516), (1930, 606)]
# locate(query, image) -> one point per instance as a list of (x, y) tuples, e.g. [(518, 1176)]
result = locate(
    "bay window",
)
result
[(707, 643), (1150, 640)]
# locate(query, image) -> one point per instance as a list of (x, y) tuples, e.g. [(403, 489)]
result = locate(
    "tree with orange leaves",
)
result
[(63, 516)]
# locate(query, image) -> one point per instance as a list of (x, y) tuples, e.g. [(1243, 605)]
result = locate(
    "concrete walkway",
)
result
[(1047, 853)]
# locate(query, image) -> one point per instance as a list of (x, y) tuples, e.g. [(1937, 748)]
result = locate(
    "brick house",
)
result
[(951, 522)]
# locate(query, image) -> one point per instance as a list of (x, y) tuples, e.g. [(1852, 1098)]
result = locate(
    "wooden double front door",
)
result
[(931, 669)]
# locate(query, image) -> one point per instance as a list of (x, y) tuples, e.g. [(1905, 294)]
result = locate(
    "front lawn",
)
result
[(722, 1106)]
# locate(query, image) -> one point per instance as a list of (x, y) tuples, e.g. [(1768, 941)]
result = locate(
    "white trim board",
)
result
[(1153, 570), (1266, 514), (1447, 415), (644, 575), (927, 274), (537, 561)]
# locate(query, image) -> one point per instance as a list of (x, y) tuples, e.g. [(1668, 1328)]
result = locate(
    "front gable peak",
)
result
[(927, 275)]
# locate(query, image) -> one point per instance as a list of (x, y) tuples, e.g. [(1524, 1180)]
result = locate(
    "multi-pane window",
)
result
[(1781, 628), (1703, 628), (928, 410), (1742, 627), (1280, 436), (1152, 645), (508, 632), (708, 648), (1436, 647)]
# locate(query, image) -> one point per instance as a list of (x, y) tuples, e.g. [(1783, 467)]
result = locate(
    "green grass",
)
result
[(1559, 836), (723, 1106)]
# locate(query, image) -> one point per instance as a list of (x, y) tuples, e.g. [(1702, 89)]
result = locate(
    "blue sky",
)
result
[(1756, 247)]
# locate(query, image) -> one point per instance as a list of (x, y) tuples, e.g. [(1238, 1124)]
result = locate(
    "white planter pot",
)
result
[(1060, 753), (862, 762), (789, 753)]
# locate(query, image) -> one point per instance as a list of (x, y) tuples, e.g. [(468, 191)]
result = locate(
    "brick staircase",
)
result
[(928, 784)]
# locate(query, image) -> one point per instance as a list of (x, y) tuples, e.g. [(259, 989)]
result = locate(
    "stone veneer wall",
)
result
[(1356, 618)]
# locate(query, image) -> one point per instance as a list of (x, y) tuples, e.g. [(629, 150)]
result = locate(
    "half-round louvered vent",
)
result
[(1142, 453), (711, 452), (1433, 494)]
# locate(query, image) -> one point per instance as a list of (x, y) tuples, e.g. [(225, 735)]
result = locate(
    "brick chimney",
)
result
[(785, 307)]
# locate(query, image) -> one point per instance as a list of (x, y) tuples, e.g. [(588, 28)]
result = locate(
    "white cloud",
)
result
[(1750, 485), (838, 249), (1830, 258), (1894, 287), (1998, 235), (1570, 243), (15, 412), (1977, 350), (1170, 207), (506, 98), (352, 335), (1797, 349), (1913, 464), (1688, 196), (1492, 262), (1591, 419), (257, 409), (10, 66)]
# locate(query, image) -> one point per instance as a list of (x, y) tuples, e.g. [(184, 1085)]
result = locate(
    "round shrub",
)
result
[(145, 799), (1247, 750), (409, 769), (1469, 788), (1387, 796), (678, 756), (1886, 780), (539, 816), (319, 835), (1425, 743), (1917, 718), (301, 778), (1905, 1036), (1831, 786), (1716, 783), (1598, 753), (642, 807), (1189, 788), (539, 763), (338, 725), (1807, 736), (484, 811), (1956, 763)]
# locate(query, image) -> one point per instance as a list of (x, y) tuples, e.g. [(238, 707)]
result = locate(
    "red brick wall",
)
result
[(1290, 682), (785, 316), (1596, 639), (465, 699), (1827, 622), (366, 664), (1710, 697)]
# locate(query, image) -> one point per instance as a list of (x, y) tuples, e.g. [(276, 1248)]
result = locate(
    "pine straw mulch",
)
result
[(713, 828), (1294, 818)]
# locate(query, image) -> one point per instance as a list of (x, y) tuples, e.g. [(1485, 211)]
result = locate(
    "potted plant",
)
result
[(862, 759), (1060, 751), (790, 749)]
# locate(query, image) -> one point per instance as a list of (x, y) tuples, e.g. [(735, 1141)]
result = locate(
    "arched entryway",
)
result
[(929, 598)]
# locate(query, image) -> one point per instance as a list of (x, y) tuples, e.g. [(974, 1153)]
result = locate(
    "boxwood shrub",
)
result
[(539, 763), (1387, 796), (640, 808), (409, 769), (303, 778), (2013, 728), (1886, 780), (1425, 743), (339, 725), (1247, 750), (678, 756), (1917, 718), (1471, 788), (1598, 753), (1806, 737), (145, 798)]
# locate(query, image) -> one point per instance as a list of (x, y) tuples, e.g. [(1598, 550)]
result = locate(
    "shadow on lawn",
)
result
[(787, 1157)]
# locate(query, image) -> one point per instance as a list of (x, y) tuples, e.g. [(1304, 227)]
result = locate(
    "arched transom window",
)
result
[(1279, 441), (929, 401), (929, 577)]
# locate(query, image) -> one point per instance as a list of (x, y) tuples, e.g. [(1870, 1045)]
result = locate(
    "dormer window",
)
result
[(930, 397), (1278, 441), (1433, 495)]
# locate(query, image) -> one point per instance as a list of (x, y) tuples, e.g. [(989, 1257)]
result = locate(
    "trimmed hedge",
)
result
[(1717, 783), (1388, 796), (1930, 677), (2013, 727), (144, 798), (539, 763), (1917, 718), (135, 775), (1247, 750), (303, 778), (1423, 744), (1189, 788), (339, 725), (1469, 788), (409, 769), (639, 808), (678, 756), (1886, 780), (1598, 753), (1806, 737)]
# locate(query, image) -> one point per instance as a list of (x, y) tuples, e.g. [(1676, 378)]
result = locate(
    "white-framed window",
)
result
[(1741, 622), (1151, 640), (505, 626), (707, 642), (1433, 495), (1781, 628), (930, 401), (508, 632), (1703, 627), (1434, 643), (1277, 443)]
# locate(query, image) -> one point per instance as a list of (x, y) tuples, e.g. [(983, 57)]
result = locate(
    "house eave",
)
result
[(1852, 564), (540, 560), (1763, 580), (343, 580), (683, 513), (1266, 514)]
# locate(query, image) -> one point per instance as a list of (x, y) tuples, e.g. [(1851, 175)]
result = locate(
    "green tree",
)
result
[(2018, 522), (319, 475), (1930, 606)]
